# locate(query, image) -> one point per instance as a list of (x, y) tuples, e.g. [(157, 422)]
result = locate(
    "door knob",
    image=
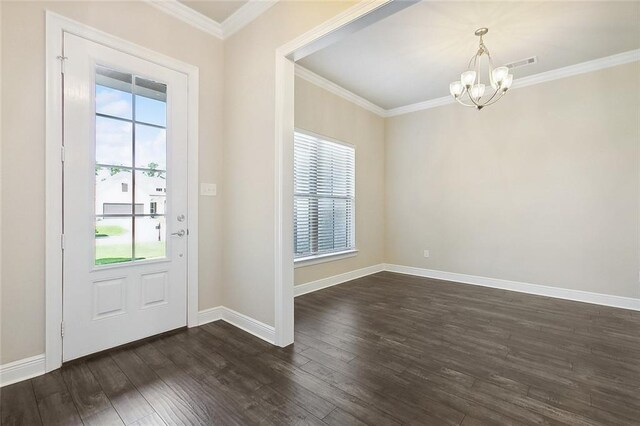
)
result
[(180, 233)]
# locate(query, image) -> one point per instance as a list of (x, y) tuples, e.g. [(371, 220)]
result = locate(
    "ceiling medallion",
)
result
[(470, 84)]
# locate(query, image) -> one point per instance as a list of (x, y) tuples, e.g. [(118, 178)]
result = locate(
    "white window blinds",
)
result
[(324, 196)]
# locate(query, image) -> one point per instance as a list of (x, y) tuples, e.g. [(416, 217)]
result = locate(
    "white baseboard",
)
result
[(210, 315), (34, 366), (540, 290), (312, 286), (243, 322), (21, 369), (537, 289), (250, 325)]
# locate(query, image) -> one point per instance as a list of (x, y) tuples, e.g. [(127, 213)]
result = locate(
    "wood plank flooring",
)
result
[(386, 349)]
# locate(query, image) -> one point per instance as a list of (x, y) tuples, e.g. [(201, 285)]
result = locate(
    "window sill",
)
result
[(329, 257)]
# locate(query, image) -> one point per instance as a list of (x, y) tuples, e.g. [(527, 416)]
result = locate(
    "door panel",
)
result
[(125, 185)]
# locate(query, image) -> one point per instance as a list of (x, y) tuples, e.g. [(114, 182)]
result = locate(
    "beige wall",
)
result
[(23, 148), (541, 188), (249, 147), (1, 93), (326, 114)]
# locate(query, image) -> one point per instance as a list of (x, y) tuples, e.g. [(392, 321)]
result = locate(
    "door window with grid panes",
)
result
[(130, 167)]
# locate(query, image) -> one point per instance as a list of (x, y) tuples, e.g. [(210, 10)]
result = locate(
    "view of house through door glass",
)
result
[(125, 198), (131, 150)]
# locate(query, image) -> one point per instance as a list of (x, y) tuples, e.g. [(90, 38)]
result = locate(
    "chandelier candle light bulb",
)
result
[(499, 74), (467, 78), (456, 88), (506, 83), (470, 85), (477, 91)]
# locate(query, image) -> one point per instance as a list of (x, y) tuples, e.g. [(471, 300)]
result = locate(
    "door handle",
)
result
[(180, 233)]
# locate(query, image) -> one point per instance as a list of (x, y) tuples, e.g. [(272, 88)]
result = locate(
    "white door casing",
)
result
[(112, 304), (56, 26)]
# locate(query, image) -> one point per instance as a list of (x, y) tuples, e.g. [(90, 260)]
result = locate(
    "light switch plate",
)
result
[(208, 189)]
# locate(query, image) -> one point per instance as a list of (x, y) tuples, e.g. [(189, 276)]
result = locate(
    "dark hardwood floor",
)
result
[(386, 349)]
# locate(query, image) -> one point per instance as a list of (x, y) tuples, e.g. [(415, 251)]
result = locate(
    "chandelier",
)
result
[(470, 87)]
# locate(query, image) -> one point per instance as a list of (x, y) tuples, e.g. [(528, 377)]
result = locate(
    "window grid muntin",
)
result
[(132, 169)]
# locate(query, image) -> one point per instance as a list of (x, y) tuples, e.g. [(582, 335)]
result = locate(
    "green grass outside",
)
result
[(109, 230), (117, 253)]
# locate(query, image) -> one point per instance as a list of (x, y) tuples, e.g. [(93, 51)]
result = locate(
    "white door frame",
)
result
[(56, 25), (356, 17)]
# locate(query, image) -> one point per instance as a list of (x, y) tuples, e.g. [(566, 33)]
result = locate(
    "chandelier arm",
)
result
[(491, 67), (497, 99), (463, 104), (489, 55), (492, 96), (476, 104), (473, 60), (478, 70)]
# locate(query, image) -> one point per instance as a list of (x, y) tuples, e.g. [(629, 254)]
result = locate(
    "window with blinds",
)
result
[(324, 196)]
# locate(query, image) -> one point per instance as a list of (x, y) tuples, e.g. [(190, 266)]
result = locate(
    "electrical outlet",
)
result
[(426, 253), (208, 189)]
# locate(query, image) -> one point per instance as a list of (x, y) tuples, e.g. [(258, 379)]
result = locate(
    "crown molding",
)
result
[(234, 23), (332, 87), (244, 15), (581, 68), (188, 15), (543, 77), (431, 103), (569, 71), (254, 8)]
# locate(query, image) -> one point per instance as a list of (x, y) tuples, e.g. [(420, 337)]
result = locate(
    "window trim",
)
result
[(343, 254), (301, 262), (324, 137)]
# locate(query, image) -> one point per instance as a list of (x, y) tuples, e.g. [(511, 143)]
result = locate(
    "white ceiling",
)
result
[(412, 56), (218, 10)]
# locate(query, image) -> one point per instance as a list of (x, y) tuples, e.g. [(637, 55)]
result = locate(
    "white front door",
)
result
[(125, 198)]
